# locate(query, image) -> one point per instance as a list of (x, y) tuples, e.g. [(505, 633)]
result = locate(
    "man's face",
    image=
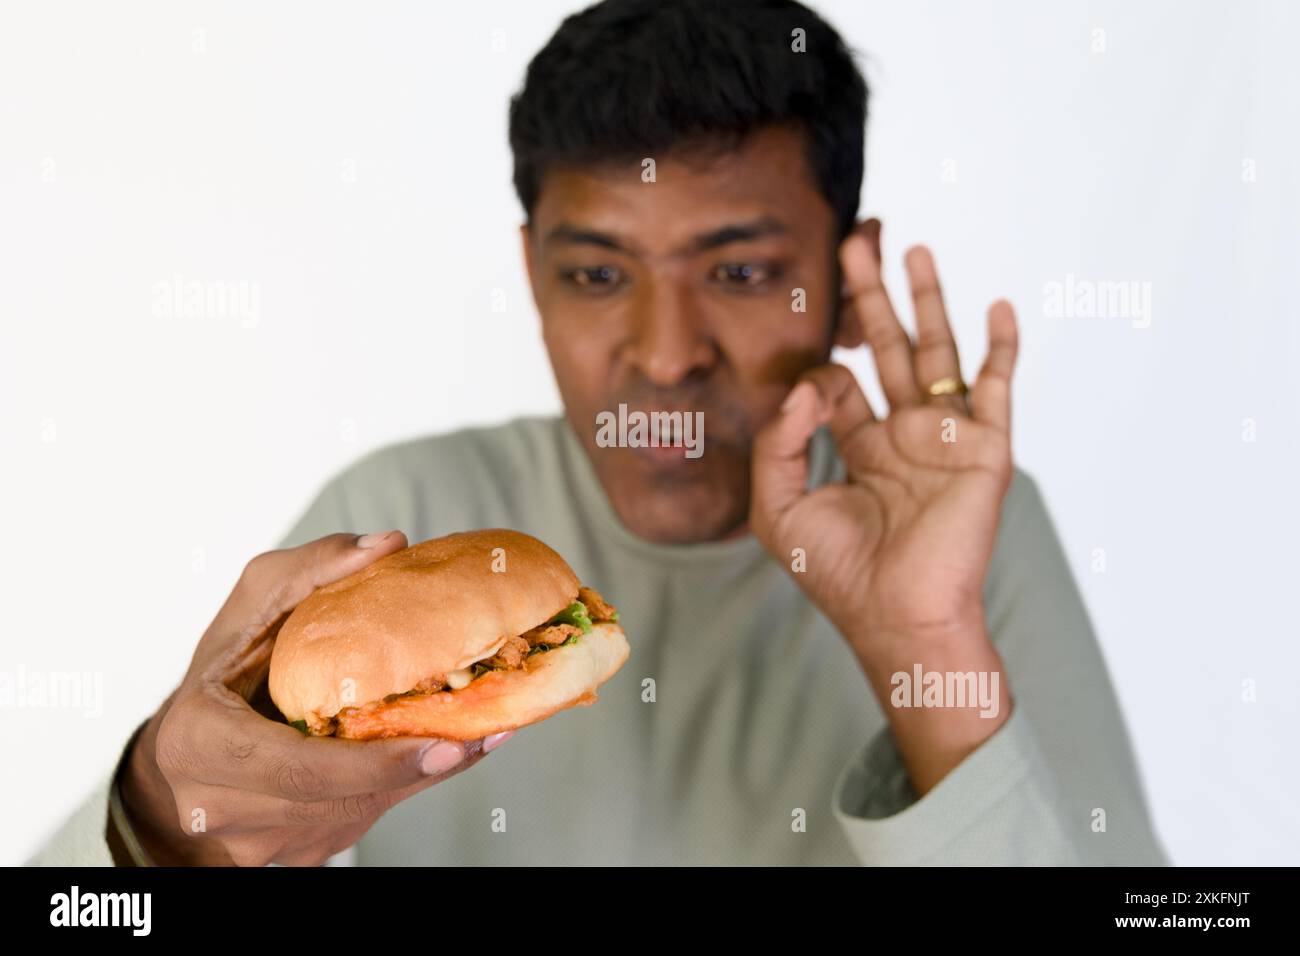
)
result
[(679, 295)]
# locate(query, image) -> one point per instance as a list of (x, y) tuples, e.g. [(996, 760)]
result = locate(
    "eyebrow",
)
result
[(724, 235)]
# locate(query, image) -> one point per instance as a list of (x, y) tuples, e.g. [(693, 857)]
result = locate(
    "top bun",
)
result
[(428, 609)]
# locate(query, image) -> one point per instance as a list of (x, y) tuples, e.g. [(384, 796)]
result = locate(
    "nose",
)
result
[(670, 339)]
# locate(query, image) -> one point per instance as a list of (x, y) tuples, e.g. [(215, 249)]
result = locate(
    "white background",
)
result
[(350, 161)]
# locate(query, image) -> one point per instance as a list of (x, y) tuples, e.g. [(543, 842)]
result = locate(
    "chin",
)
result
[(680, 515)]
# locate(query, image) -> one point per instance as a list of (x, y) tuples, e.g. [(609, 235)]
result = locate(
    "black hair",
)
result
[(625, 79)]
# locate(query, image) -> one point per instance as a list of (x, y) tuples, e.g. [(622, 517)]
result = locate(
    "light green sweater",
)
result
[(741, 730)]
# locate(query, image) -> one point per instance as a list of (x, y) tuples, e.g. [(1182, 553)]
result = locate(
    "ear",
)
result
[(848, 329), (526, 238)]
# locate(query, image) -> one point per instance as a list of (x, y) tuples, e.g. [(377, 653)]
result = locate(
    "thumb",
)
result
[(780, 462), (274, 583)]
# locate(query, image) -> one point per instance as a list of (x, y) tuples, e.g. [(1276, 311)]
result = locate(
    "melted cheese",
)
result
[(463, 675), (461, 678)]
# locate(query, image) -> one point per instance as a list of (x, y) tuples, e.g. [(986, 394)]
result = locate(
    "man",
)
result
[(804, 598)]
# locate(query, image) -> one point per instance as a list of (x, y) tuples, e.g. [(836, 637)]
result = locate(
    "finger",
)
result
[(841, 404), (316, 851), (991, 393), (276, 581), (237, 645), (216, 738), (227, 811), (253, 849), (935, 355), (848, 327), (230, 810), (780, 459), (889, 344)]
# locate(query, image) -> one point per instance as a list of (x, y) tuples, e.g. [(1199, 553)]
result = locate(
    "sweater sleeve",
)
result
[(82, 840), (1057, 784)]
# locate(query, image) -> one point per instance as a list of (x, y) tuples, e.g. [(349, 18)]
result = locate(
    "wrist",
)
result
[(883, 644), (944, 691), (150, 811)]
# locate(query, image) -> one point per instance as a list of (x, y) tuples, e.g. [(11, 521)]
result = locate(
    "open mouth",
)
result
[(666, 429)]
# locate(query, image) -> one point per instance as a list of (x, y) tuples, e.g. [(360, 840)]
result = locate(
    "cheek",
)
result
[(770, 355), (580, 363), (770, 339)]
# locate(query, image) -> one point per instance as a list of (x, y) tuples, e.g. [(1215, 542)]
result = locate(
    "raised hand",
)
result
[(896, 554)]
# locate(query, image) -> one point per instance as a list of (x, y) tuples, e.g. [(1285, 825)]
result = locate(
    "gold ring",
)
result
[(948, 385)]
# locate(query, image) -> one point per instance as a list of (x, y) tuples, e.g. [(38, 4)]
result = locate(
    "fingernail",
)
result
[(794, 399), (492, 741), (441, 757), (370, 540)]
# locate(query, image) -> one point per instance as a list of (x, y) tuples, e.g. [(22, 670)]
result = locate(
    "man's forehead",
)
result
[(762, 186)]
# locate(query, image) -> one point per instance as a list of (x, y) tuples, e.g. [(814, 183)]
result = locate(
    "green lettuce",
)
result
[(575, 614)]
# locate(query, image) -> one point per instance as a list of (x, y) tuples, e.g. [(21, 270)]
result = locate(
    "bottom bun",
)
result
[(555, 680)]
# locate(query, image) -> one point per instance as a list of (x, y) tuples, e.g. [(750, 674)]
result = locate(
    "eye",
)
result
[(592, 277), (743, 273)]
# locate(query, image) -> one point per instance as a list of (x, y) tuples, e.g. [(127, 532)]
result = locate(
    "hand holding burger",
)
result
[(217, 777)]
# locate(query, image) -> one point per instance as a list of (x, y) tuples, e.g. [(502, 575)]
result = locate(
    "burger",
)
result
[(458, 637)]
